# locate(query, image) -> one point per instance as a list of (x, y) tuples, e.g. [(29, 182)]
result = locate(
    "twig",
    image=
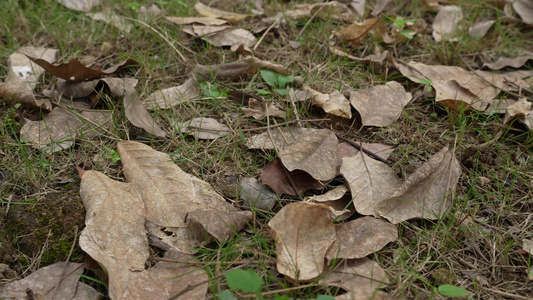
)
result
[(264, 34)]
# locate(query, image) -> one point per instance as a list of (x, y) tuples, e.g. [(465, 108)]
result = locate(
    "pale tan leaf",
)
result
[(354, 33), (332, 10), (303, 233), (347, 150), (211, 12), (446, 23), (370, 182), (334, 103), (380, 6), (57, 281), (22, 69), (256, 195), (282, 137), (204, 128), (524, 8), (361, 237), (260, 110), (135, 111), (107, 203), (454, 95), (521, 110), (111, 18), (222, 35), (372, 58), (18, 92), (281, 181), (527, 246), (427, 193), (170, 97), (80, 5), (358, 6), (338, 199), (380, 105), (301, 11), (149, 13), (315, 154), (479, 29), (197, 20), (357, 275), (516, 62)]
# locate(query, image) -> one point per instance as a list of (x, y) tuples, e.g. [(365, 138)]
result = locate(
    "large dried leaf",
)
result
[(80, 5), (75, 71), (380, 105), (516, 62), (281, 181), (170, 194), (334, 103), (204, 128), (57, 131), (361, 237), (479, 29), (282, 137), (211, 12), (446, 23), (524, 8), (353, 34), (222, 35), (57, 281), (370, 182), (360, 277), (114, 223), (315, 154), (427, 193), (256, 195), (111, 18), (304, 232), (17, 92)]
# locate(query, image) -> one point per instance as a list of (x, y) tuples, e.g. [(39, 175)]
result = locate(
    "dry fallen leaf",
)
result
[(380, 105), (446, 23), (196, 20), (427, 193), (521, 111), (315, 154), (281, 181), (80, 5), (282, 137), (170, 97), (56, 281), (361, 237), (211, 12), (334, 103), (380, 6), (111, 18), (304, 232), (332, 10), (222, 35), (372, 58), (354, 33), (256, 195), (524, 8), (260, 110), (149, 13), (516, 62), (528, 246), (370, 182), (359, 276), (479, 29), (204, 128), (338, 199), (229, 71)]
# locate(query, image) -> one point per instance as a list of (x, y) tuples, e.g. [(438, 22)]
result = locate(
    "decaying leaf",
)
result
[(347, 150), (282, 137), (380, 6), (26, 71), (516, 62), (354, 33), (16, 92), (338, 199), (315, 154), (326, 11), (80, 5), (528, 246), (520, 110), (149, 13), (279, 179), (361, 237), (479, 29), (256, 195), (360, 277), (111, 18), (57, 281), (196, 20), (304, 232), (204, 128), (111, 202), (221, 35), (260, 110), (370, 182), (446, 23), (380, 105), (237, 69), (524, 9), (372, 58), (173, 96), (211, 12), (334, 103), (427, 193)]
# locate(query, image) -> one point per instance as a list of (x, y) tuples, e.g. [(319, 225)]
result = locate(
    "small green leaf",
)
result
[(245, 280), (270, 77), (209, 90), (451, 291), (226, 295), (283, 80), (325, 297), (283, 92), (263, 92), (17, 105), (408, 33)]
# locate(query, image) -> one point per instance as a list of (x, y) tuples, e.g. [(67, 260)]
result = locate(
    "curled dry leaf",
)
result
[(111, 18), (380, 105), (516, 62), (524, 9), (338, 199), (354, 33), (370, 182), (74, 71), (107, 203), (80, 5), (196, 20), (520, 110), (256, 195), (221, 35), (211, 12), (237, 69), (57, 281), (170, 97), (347, 150), (427, 193), (304, 232), (279, 179), (204, 128), (315, 154), (361, 237), (334, 103), (282, 137), (446, 23), (16, 92), (479, 29), (260, 110)]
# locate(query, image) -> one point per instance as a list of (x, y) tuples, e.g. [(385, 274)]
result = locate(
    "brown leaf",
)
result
[(211, 12), (315, 154), (338, 199), (524, 9), (354, 33), (230, 71), (74, 71), (380, 6), (196, 20), (446, 23), (80, 5), (135, 110), (18, 93), (516, 62), (370, 182), (204, 128), (479, 29), (282, 137), (57, 131), (221, 35), (372, 58), (361, 278), (255, 195), (111, 18), (521, 110), (380, 105), (334, 103), (427, 193), (303, 232), (22, 70), (273, 175), (361, 237), (332, 10), (528, 246), (260, 110), (57, 281)]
